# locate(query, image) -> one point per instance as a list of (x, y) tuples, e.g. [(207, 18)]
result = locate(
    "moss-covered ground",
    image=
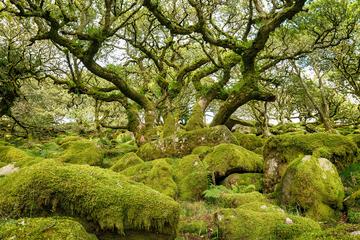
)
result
[(187, 184)]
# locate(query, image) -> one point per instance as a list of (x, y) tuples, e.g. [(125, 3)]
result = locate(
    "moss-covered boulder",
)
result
[(157, 174), (81, 151), (128, 160), (202, 151), (101, 197), (279, 151), (234, 200), (43, 229), (226, 159), (191, 177), (250, 141), (13, 155), (243, 180), (312, 184), (261, 221), (183, 143)]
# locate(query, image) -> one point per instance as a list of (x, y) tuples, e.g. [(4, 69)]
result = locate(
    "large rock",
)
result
[(257, 220), (226, 159), (313, 185), (191, 177), (279, 151), (250, 141), (128, 160), (107, 200), (18, 157), (157, 174), (81, 151), (183, 143), (43, 229)]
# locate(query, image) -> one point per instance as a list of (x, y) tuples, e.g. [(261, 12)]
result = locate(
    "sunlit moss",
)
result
[(279, 151), (192, 177), (157, 174), (81, 151), (183, 143), (103, 197), (229, 158), (313, 185), (43, 229), (128, 160)]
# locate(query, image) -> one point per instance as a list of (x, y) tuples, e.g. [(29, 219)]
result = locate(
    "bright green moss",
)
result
[(128, 160), (229, 158), (264, 224), (156, 174), (279, 151), (242, 180), (314, 185), (249, 141), (183, 143), (102, 197), (43, 229), (287, 128), (194, 227), (65, 139), (191, 177), (202, 151), (81, 152), (339, 232), (9, 154), (196, 120), (233, 200)]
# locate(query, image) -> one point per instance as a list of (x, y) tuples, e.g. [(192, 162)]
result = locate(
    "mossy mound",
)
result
[(243, 180), (102, 197), (157, 174), (9, 154), (279, 151), (233, 200), (128, 160), (314, 185), (339, 232), (193, 227), (250, 141), (43, 229), (81, 152), (287, 128), (183, 143), (264, 223), (230, 158), (202, 151), (191, 177)]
